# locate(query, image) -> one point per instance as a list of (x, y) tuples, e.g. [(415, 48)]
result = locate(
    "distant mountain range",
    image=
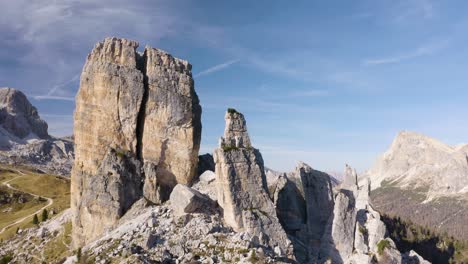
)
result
[(423, 180)]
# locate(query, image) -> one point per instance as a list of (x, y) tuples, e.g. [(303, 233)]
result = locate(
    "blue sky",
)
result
[(326, 82)]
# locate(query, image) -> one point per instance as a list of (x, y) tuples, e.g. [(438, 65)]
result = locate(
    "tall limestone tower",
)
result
[(242, 187), (137, 133)]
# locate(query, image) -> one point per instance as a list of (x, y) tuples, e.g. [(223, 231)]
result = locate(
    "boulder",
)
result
[(208, 176), (185, 200)]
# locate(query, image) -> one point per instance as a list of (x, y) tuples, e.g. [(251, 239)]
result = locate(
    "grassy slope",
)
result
[(443, 215), (19, 210), (45, 185)]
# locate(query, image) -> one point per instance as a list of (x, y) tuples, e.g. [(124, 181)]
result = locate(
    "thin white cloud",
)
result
[(421, 51), (413, 10), (216, 68), (52, 97), (57, 92)]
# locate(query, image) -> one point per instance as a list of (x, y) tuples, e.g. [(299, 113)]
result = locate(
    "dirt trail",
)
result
[(7, 184)]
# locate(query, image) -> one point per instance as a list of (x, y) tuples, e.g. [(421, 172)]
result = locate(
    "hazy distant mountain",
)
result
[(422, 179)]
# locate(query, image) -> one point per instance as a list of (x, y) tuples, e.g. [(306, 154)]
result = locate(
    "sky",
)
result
[(324, 82)]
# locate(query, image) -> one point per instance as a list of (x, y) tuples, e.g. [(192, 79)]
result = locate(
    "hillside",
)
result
[(423, 180), (24, 193)]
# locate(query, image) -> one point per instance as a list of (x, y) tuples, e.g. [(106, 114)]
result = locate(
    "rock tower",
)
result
[(137, 133)]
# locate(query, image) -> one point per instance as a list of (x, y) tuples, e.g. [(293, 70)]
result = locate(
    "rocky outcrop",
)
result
[(290, 206), (24, 139), (242, 187), (415, 161), (54, 155), (419, 173), (350, 179), (18, 117), (137, 133), (338, 240), (170, 124), (318, 193), (355, 229)]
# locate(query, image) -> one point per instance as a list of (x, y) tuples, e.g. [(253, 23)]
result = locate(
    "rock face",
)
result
[(350, 179), (242, 187), (170, 124), (417, 161), (419, 173), (355, 229), (24, 138), (18, 117), (137, 133), (290, 206), (319, 199)]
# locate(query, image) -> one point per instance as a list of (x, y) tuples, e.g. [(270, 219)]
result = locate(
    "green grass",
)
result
[(50, 186), (229, 148), (45, 185), (362, 230), (19, 210), (58, 248), (382, 245)]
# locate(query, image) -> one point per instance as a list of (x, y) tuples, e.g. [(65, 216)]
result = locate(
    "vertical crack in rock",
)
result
[(141, 65), (130, 108)]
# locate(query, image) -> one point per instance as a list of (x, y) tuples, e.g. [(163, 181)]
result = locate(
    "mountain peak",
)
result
[(418, 161), (18, 117)]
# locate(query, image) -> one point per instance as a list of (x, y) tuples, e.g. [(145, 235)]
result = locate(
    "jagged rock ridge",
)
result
[(24, 138), (137, 133)]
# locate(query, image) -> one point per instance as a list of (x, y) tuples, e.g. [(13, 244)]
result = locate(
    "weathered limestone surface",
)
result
[(290, 206), (171, 131), (185, 200), (338, 240), (106, 117), (350, 180), (355, 228), (139, 108), (242, 188), (318, 193)]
